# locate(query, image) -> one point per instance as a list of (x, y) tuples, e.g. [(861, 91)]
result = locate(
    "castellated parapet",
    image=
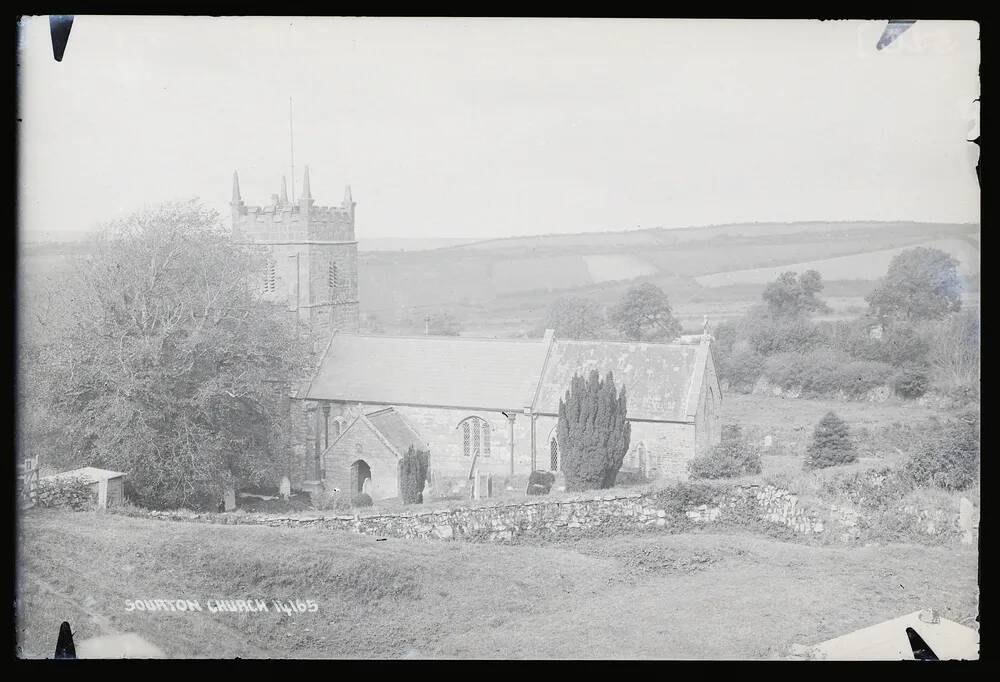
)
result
[(310, 255), (290, 223)]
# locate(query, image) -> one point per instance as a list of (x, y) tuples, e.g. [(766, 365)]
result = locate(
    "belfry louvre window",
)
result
[(270, 279), (475, 437), (333, 276)]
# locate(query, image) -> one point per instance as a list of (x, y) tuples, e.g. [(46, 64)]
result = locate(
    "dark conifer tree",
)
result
[(831, 444), (593, 432)]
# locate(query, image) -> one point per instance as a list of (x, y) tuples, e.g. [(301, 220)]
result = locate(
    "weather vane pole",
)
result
[(291, 145)]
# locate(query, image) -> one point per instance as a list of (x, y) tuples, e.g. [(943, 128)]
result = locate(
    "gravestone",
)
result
[(965, 519), (285, 488), (768, 441), (476, 487), (366, 487), (230, 499)]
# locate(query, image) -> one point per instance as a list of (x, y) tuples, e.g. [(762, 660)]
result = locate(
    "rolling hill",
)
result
[(504, 285)]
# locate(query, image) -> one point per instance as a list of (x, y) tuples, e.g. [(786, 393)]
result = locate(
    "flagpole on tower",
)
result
[(291, 145)]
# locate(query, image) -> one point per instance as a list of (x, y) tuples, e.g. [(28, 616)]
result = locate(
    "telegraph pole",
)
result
[(291, 146)]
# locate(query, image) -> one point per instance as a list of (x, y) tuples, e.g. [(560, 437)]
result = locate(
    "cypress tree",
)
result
[(413, 474), (593, 432)]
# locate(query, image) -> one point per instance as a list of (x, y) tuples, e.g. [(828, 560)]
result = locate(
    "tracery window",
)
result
[(475, 437)]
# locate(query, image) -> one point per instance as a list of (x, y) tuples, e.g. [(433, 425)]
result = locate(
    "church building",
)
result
[(463, 400)]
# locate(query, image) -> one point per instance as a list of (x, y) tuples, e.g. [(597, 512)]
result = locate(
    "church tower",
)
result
[(311, 255)]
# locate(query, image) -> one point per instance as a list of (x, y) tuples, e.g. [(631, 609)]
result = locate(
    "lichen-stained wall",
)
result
[(668, 447), (754, 506), (448, 462)]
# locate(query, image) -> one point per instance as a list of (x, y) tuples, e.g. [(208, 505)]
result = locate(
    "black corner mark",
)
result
[(893, 30), (59, 26), (921, 651), (64, 645)]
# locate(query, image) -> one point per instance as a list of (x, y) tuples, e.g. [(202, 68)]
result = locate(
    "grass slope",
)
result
[(699, 595)]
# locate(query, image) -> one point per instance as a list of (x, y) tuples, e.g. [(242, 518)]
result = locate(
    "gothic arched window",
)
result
[(475, 436)]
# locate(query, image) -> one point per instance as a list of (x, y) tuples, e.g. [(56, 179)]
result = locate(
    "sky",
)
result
[(488, 128)]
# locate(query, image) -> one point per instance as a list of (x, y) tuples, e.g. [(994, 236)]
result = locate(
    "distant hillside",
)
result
[(410, 243), (504, 286), (690, 261)]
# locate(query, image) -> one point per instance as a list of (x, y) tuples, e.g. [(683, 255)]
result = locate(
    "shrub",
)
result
[(593, 433), (831, 444), (736, 455), (742, 368), (911, 381), (361, 500), (876, 488), (413, 475), (825, 372), (955, 352), (949, 457), (540, 482)]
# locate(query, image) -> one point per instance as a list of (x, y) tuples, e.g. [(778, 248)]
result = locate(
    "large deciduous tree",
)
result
[(793, 295), (644, 314), (921, 284), (575, 317), (163, 361), (593, 432)]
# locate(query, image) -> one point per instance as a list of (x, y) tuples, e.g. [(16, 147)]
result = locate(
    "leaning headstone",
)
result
[(285, 488), (965, 521), (230, 499)]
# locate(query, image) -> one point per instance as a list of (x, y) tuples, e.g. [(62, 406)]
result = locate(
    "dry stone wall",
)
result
[(763, 506)]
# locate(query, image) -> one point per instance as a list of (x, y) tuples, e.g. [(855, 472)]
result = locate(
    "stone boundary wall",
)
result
[(668, 508)]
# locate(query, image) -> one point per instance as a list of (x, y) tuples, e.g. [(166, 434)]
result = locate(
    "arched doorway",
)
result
[(360, 471)]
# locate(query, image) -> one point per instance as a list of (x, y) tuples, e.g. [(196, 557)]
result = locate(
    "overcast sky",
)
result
[(497, 127)]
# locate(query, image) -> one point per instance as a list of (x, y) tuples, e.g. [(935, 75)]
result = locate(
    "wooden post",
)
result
[(534, 454), (510, 431)]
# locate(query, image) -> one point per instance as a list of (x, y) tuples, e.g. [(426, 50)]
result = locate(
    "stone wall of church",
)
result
[(708, 422), (667, 447), (449, 464), (361, 444)]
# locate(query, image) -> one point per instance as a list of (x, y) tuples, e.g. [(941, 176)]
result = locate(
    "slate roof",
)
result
[(662, 381), (429, 370), (395, 429)]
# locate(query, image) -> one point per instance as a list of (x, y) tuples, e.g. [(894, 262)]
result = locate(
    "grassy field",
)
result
[(656, 595)]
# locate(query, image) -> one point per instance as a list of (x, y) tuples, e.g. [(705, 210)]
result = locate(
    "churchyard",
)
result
[(638, 593)]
